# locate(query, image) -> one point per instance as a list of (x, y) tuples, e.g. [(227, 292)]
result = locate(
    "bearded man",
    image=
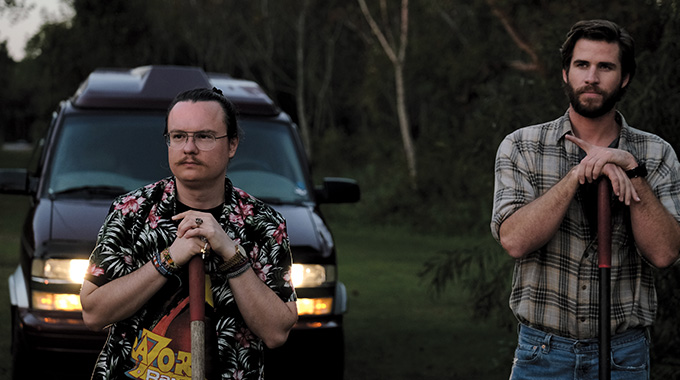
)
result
[(545, 216)]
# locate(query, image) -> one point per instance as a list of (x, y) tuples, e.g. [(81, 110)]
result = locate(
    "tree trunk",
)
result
[(402, 113), (397, 60), (300, 79)]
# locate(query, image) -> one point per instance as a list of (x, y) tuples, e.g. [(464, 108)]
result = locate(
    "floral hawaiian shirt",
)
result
[(154, 342)]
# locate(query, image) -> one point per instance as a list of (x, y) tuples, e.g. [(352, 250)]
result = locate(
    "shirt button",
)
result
[(583, 319), (586, 255), (584, 287)]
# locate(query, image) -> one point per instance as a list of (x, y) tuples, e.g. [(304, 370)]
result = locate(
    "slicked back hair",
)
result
[(208, 95)]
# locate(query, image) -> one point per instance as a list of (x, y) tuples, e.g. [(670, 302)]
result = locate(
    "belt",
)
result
[(549, 340)]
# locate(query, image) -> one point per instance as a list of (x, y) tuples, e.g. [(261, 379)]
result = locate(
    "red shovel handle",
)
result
[(604, 226), (604, 256), (197, 288)]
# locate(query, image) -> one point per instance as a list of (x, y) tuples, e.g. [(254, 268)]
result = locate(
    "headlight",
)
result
[(308, 275), (56, 301), (314, 306), (60, 270)]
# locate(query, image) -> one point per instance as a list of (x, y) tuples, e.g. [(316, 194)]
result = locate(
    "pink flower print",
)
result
[(130, 204), (242, 193), (169, 189), (238, 375), (241, 212), (246, 209), (255, 253), (153, 218), (244, 337), (262, 271), (280, 233), (95, 270), (236, 218)]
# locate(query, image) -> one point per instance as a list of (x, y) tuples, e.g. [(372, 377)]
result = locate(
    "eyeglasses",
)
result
[(203, 140)]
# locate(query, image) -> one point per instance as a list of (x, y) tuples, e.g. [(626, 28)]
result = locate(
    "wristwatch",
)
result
[(639, 171), (239, 258)]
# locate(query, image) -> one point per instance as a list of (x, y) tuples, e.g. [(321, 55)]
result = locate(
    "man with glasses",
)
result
[(137, 279)]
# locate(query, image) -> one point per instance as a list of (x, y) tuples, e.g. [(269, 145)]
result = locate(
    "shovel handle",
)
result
[(197, 314)]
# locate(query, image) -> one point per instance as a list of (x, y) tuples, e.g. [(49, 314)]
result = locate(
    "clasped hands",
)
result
[(199, 232), (610, 162)]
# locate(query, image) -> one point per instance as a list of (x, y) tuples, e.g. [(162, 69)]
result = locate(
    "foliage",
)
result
[(465, 92), (483, 270), (665, 350)]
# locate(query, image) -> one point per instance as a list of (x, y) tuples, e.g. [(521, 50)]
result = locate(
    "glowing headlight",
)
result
[(314, 306), (56, 301), (308, 275), (72, 271)]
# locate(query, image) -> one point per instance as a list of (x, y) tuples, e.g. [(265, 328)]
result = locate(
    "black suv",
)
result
[(107, 140)]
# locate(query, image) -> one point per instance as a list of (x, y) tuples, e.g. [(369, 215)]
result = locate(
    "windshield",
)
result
[(267, 163), (109, 154)]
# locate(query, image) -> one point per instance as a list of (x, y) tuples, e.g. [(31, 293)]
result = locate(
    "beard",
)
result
[(590, 108)]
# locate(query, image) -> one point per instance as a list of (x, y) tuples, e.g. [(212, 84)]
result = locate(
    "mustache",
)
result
[(589, 88), (189, 160)]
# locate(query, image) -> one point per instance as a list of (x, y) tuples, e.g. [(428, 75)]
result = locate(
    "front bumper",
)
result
[(56, 331)]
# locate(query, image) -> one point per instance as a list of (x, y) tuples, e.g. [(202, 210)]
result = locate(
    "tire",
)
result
[(308, 355), (21, 353)]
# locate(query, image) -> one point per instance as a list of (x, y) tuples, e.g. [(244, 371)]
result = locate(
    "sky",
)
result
[(18, 32)]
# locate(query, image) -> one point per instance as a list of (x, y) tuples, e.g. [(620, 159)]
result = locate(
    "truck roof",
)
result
[(154, 87)]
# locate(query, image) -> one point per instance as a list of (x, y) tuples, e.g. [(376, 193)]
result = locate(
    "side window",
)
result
[(37, 160)]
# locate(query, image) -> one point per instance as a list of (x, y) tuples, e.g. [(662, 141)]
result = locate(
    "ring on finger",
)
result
[(199, 221)]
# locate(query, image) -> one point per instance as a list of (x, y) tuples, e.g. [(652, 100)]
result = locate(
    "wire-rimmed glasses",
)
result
[(202, 140)]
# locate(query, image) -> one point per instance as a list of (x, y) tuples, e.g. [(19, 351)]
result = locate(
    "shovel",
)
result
[(197, 313), (604, 255)]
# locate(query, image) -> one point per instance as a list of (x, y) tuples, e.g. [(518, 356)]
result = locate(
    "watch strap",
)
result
[(639, 171)]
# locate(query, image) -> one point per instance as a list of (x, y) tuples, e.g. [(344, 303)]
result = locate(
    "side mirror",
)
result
[(338, 190), (14, 181)]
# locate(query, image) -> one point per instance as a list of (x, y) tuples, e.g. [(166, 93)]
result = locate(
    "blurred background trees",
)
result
[(473, 72)]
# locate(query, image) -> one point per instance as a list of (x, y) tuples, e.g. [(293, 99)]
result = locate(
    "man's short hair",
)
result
[(601, 30), (208, 95)]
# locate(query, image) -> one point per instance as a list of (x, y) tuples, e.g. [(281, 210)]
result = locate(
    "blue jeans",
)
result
[(541, 355)]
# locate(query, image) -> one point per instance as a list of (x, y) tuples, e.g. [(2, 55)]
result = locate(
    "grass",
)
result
[(395, 328)]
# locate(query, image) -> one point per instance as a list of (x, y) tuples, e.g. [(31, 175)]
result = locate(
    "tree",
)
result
[(300, 75), (396, 52)]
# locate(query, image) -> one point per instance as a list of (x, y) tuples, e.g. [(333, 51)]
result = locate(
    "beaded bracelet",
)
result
[(158, 264), (168, 259), (164, 264)]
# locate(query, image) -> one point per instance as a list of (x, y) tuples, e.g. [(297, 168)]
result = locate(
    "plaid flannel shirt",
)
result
[(555, 288)]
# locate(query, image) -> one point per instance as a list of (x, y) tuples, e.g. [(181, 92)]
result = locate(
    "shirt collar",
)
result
[(564, 127)]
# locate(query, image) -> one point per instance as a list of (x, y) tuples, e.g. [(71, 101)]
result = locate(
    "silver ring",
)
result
[(199, 221)]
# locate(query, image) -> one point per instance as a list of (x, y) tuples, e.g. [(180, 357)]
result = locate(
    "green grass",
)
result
[(395, 328)]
